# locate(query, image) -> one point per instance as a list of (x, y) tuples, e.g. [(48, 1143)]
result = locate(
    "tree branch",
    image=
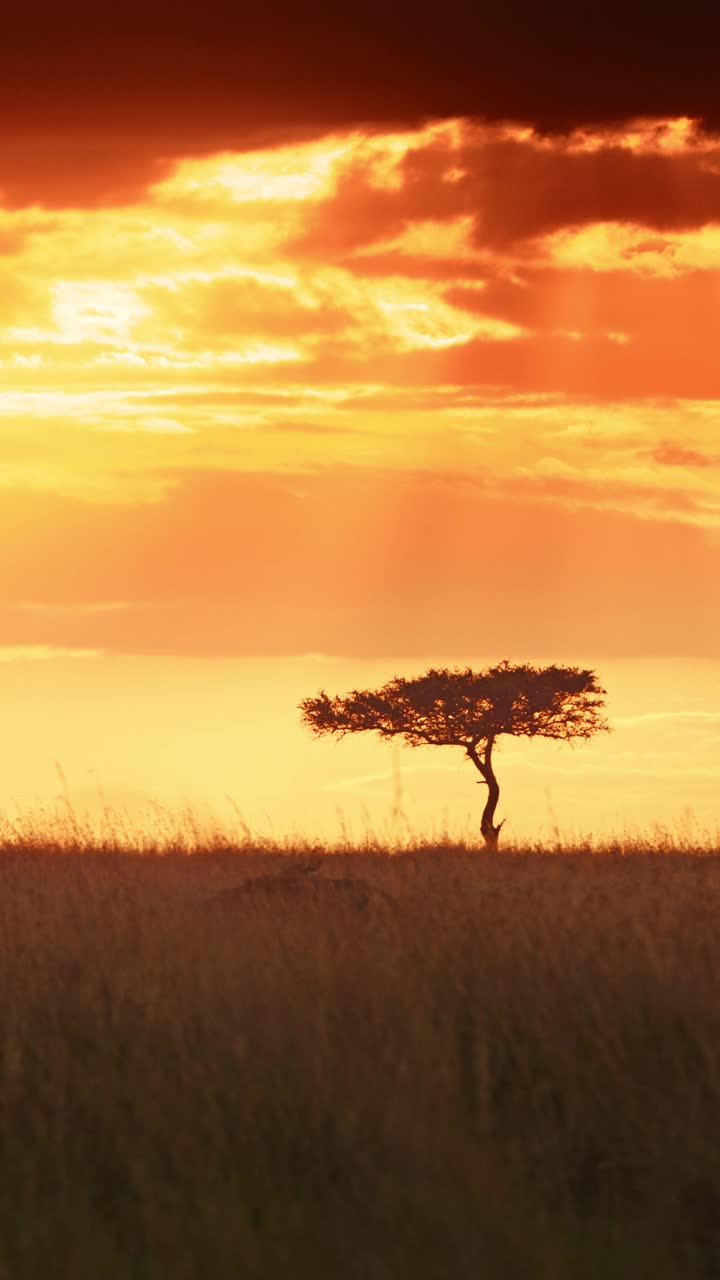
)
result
[(472, 753)]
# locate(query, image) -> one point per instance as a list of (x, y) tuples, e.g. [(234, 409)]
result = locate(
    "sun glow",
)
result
[(615, 246), (282, 174)]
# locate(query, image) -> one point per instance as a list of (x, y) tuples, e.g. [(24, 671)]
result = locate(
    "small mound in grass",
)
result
[(304, 891)]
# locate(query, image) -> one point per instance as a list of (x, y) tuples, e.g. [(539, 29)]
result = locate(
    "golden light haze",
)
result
[(222, 737), (385, 397)]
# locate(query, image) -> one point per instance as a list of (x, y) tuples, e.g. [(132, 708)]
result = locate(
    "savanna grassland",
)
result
[(496, 1065)]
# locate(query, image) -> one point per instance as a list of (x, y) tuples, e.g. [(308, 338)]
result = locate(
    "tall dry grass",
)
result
[(516, 1074)]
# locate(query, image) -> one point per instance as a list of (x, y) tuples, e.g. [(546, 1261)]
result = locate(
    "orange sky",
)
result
[(379, 396)]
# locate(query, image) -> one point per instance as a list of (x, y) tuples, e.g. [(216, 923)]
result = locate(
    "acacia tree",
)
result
[(469, 709)]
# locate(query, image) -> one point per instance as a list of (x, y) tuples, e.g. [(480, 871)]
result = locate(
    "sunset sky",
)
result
[(307, 395)]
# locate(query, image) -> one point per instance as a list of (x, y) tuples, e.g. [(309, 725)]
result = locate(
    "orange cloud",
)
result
[(270, 399), (514, 185)]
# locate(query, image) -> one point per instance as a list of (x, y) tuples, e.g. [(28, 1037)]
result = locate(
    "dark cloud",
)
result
[(105, 161), (59, 168), (112, 97), (517, 190)]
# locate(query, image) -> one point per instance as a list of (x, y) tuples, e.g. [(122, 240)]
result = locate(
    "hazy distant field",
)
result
[(513, 1072)]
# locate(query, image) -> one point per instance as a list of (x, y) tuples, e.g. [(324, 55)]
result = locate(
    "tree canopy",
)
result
[(469, 709)]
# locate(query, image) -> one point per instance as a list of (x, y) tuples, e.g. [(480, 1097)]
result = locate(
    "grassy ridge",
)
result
[(516, 1074)]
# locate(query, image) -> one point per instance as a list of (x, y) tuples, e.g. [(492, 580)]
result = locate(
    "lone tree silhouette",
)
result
[(469, 709)]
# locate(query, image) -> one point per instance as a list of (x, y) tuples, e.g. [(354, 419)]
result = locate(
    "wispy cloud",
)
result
[(648, 717), (346, 784), (90, 607), (43, 653)]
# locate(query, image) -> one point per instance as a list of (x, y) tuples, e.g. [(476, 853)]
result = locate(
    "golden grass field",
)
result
[(501, 1065)]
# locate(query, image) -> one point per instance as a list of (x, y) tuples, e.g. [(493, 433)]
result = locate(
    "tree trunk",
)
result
[(490, 833)]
